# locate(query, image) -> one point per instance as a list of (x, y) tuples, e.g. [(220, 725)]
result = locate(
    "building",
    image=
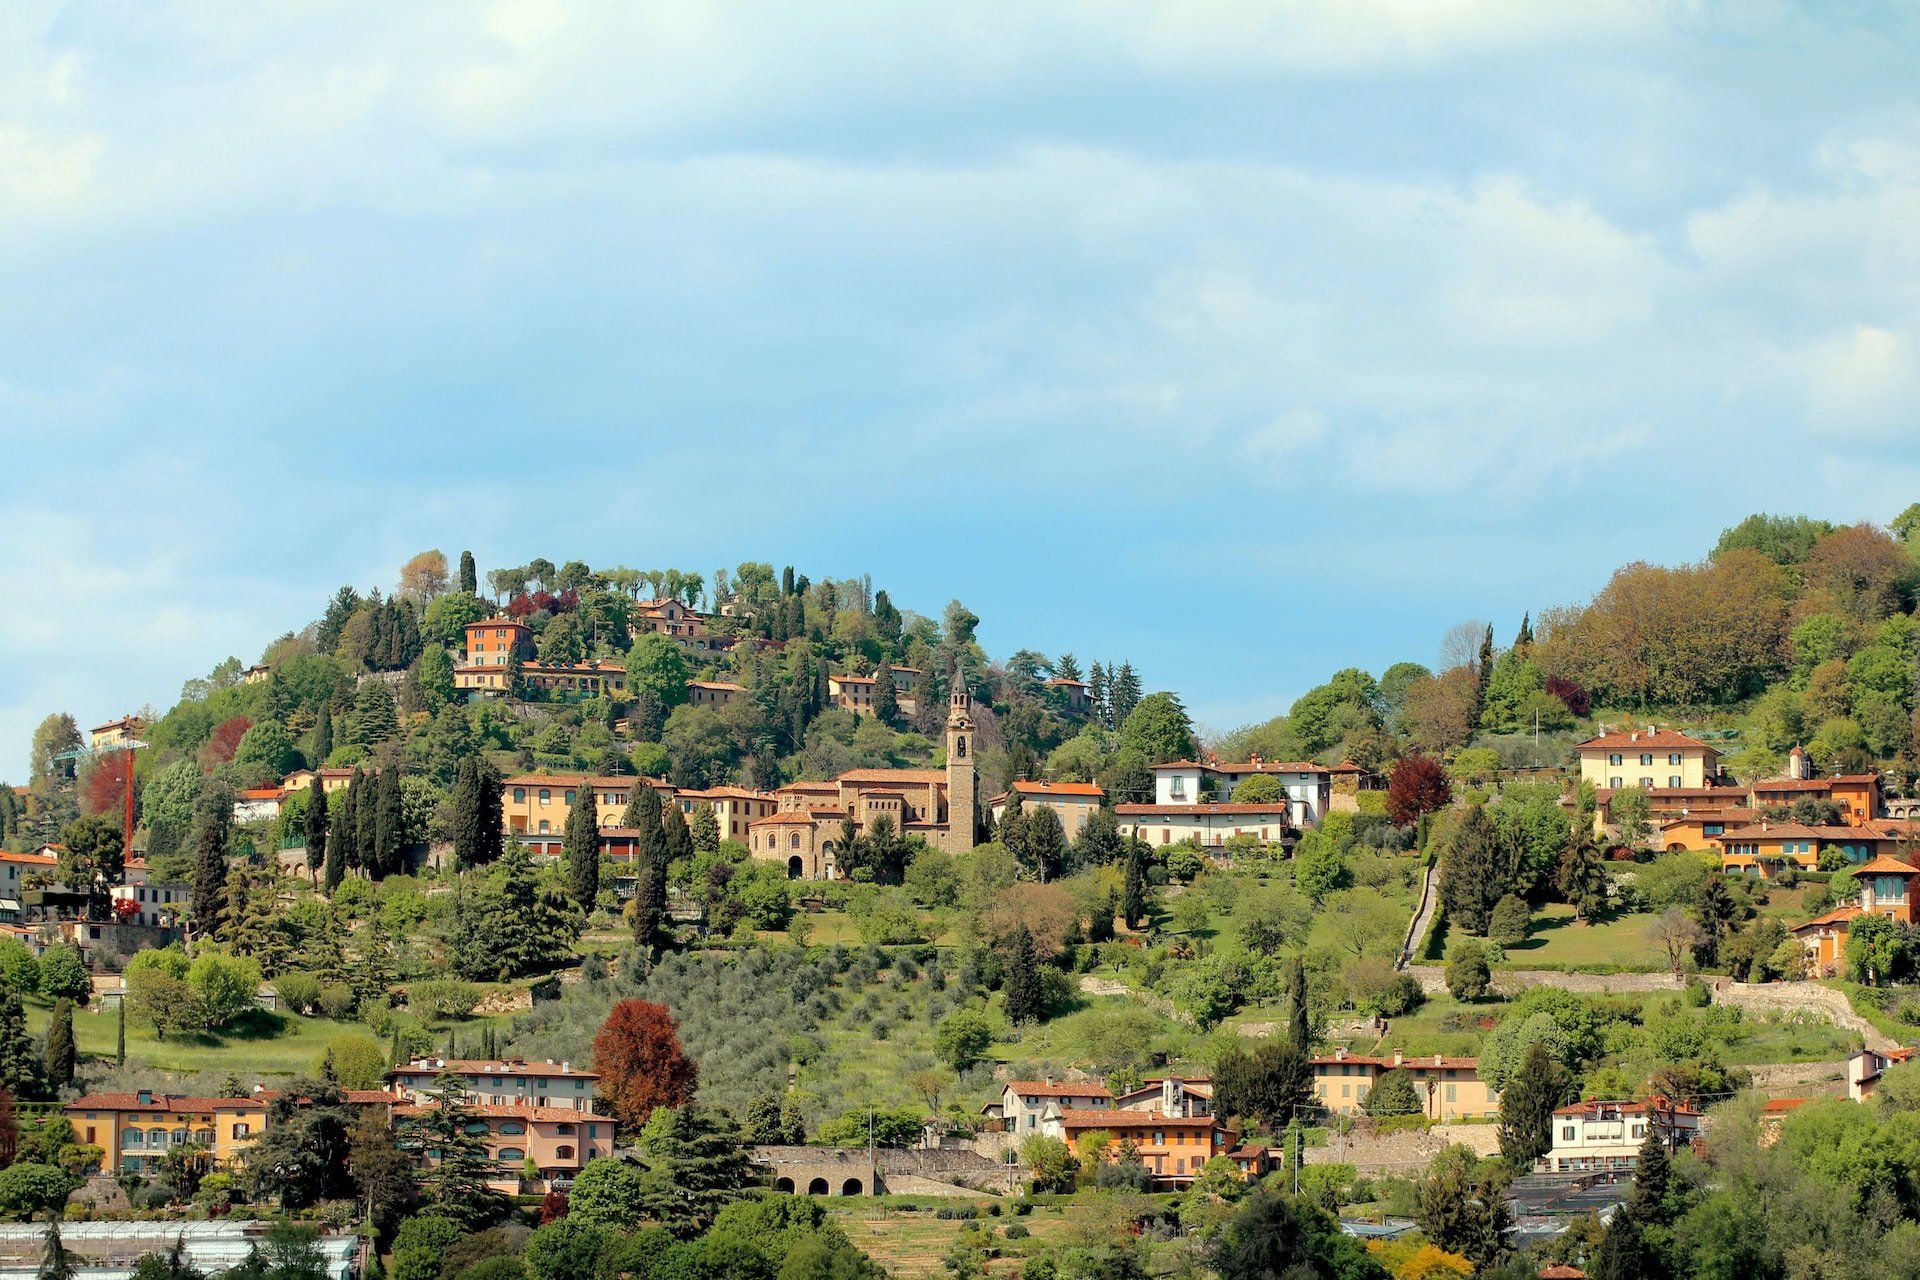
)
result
[(1700, 830), (257, 804), (1606, 1136), (1208, 824), (1170, 1096), (538, 803), (154, 905), (332, 777), (493, 645), (1036, 1106), (1647, 758), (938, 805), (1766, 848), (1865, 1068), (1071, 694), (713, 694), (1308, 787), (1825, 939), (556, 1142), (1173, 1148), (734, 808), (1448, 1088), (19, 871), (1886, 888), (501, 1082), (855, 693), (116, 733), (134, 1131), (1072, 802)]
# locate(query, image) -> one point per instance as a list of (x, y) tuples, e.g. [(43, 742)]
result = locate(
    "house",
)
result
[(734, 808), (1825, 939), (1600, 1136), (1651, 757), (1765, 849), (855, 693), (1886, 888), (493, 645), (556, 1141), (1170, 1096), (1699, 830), (134, 1131), (1072, 802), (17, 870), (1865, 1068), (1308, 787), (500, 1082), (1035, 1106), (1209, 824), (256, 804), (155, 905), (1071, 694), (332, 777), (1449, 1088), (116, 733), (1173, 1148), (538, 804), (938, 805), (713, 694)]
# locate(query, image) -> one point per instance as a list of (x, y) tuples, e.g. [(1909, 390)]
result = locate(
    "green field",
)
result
[(1558, 941), (912, 1244)]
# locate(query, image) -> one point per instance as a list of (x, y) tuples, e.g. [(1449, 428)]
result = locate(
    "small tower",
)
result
[(1798, 766), (961, 778)]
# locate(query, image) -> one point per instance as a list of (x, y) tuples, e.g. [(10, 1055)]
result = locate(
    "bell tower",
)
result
[(962, 780)]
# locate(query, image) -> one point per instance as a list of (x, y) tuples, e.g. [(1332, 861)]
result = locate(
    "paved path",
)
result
[(1422, 916)]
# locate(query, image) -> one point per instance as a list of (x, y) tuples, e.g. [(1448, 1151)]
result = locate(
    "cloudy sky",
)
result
[(1243, 340)]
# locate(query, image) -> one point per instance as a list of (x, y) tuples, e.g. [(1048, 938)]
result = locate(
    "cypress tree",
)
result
[(323, 734), (1526, 1108), (212, 831), (469, 575), (1652, 1173), (56, 1262), (1470, 883), (1133, 894), (19, 1068), (1023, 980), (1299, 1019), (679, 837), (466, 815), (886, 702), (120, 1036), (1623, 1254), (706, 829), (58, 1055), (582, 844), (390, 823), (493, 835), (366, 825), (316, 828), (346, 832), (649, 864)]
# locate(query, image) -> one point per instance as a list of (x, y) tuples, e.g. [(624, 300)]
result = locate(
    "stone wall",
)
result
[(1403, 1152), (1511, 982), (1808, 998)]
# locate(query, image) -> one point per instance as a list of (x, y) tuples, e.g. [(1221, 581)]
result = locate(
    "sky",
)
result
[(1243, 341)]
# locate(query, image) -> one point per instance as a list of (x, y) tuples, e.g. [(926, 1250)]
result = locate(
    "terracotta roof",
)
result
[(499, 622), (1345, 766), (492, 1067), (1710, 815), (259, 793), (787, 819), (727, 685), (1687, 793), (1594, 1107), (1644, 740), (571, 780), (1111, 1118), (160, 1102), (1792, 830), (1832, 917), (852, 679), (1061, 681), (1780, 1106), (1279, 808), (1794, 784), (1425, 1060), (564, 1115), (725, 793), (1087, 790), (1561, 1271), (1246, 766), (893, 775), (1888, 866), (1058, 1089)]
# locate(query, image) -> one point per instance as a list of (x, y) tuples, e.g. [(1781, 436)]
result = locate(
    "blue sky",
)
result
[(1245, 341)]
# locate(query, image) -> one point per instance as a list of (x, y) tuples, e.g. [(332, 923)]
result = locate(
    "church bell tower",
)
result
[(962, 780)]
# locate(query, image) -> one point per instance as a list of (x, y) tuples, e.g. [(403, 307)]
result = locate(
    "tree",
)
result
[(455, 1186), (649, 865), (373, 720), (59, 1056), (607, 1193), (962, 1038), (1652, 1174), (55, 1262), (300, 1155), (1623, 1253), (1468, 974), (1158, 729), (655, 665), (1022, 987), (1393, 1095), (1267, 1084), (1133, 894), (63, 974), (223, 987), (1417, 785), (637, 1053), (1510, 921), (582, 846), (1582, 877), (1272, 1236), (886, 701), (695, 1168), (1470, 879), (425, 576), (1676, 934), (1461, 1208), (1299, 1016), (212, 829), (1876, 951), (389, 825), (1527, 1105), (705, 829), (317, 831), (469, 578)]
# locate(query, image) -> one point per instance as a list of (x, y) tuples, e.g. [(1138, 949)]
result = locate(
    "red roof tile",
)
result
[(1279, 808)]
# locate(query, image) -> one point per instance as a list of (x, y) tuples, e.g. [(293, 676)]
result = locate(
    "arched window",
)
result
[(563, 1152), (512, 1127), (133, 1138), (960, 748), (512, 1153), (793, 842)]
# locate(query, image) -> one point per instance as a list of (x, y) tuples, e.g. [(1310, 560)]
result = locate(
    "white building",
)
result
[(1596, 1136), (1308, 787), (1210, 824), (109, 1250), (155, 905), (1864, 1068), (1035, 1106)]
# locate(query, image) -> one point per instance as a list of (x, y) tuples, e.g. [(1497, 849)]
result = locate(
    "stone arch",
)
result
[(852, 1187), (818, 1187), (795, 867), (783, 1185)]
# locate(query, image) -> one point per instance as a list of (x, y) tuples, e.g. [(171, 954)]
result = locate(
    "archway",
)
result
[(783, 1185), (818, 1187), (795, 867), (852, 1187)]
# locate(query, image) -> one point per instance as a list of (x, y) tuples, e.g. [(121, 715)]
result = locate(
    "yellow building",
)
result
[(538, 803), (734, 808), (1072, 802), (1173, 1148), (1448, 1088), (1647, 758), (134, 1131)]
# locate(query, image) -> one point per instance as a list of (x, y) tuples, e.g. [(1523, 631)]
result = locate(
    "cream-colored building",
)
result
[(1209, 824), (1072, 802), (1448, 1088), (1598, 1136), (1647, 758)]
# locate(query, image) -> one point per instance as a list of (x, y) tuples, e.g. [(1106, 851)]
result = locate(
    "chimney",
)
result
[(1399, 1058), (565, 1067), (1170, 1095)]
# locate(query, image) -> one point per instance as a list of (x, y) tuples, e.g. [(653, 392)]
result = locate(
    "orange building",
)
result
[(1174, 1148), (1825, 939)]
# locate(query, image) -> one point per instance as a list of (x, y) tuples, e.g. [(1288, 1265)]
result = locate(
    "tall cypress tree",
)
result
[(678, 836), (1470, 883), (1133, 893), (346, 832), (466, 815), (212, 832), (316, 828), (493, 835), (19, 1067), (1299, 1019), (469, 575), (390, 823), (1022, 986), (582, 845), (366, 824), (323, 734), (886, 702), (649, 864), (58, 1055), (1526, 1108)]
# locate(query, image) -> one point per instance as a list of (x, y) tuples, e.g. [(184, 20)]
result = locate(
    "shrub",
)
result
[(1468, 975), (299, 991), (443, 998), (336, 1000), (1510, 921), (35, 1188)]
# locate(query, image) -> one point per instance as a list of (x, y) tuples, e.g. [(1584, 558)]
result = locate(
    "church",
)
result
[(938, 805)]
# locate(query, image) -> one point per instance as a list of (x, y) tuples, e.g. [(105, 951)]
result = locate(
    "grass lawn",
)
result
[(1558, 941), (911, 1245)]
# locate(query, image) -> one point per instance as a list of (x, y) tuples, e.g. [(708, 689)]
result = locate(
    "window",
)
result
[(1614, 783), (1615, 758), (545, 795), (512, 1153), (1639, 1131), (1674, 780), (1673, 757), (1566, 1133), (242, 1129), (1646, 757), (512, 1127), (1646, 782), (569, 795), (794, 840)]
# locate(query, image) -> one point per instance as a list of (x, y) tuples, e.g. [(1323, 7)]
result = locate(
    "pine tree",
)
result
[(1097, 695), (1623, 1254), (212, 831), (1124, 694), (374, 720), (374, 973), (316, 828), (56, 1262), (59, 1056), (1022, 986), (469, 575), (1299, 1017), (456, 1186), (582, 845), (1469, 881), (323, 734), (390, 824), (886, 702), (695, 1168), (1526, 1108), (1524, 640), (679, 838), (1133, 894), (1652, 1174), (19, 1067), (1066, 667)]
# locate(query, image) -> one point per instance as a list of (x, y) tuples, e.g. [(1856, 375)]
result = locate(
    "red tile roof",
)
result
[(1887, 866), (1086, 789), (788, 819), (260, 793), (1832, 917), (1561, 1271), (1058, 1089), (1644, 740), (1794, 831), (160, 1102), (1280, 808), (1110, 1118), (502, 1111), (1660, 1106)]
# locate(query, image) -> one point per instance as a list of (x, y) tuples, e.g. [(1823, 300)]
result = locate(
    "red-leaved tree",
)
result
[(1577, 699), (224, 741), (1417, 785), (105, 789), (641, 1066)]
